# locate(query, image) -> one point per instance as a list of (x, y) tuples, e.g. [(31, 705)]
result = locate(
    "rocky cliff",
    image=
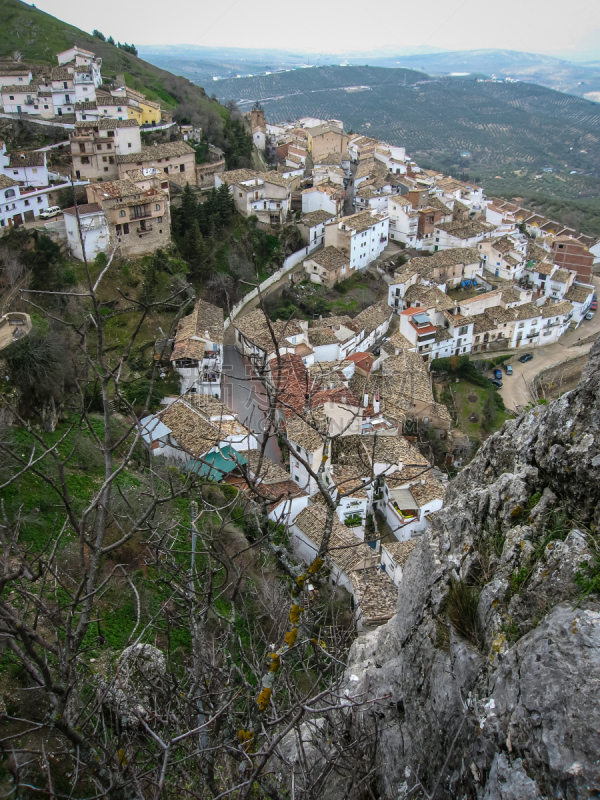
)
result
[(489, 673)]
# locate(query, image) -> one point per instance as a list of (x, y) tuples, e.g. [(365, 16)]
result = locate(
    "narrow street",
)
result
[(244, 393)]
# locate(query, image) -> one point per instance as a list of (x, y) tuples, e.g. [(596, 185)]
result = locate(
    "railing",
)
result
[(141, 216), (147, 229)]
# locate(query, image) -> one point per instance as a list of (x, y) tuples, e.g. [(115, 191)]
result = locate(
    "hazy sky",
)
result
[(541, 26)]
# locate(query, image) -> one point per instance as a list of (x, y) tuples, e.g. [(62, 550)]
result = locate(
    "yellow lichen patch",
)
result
[(274, 662), (290, 637), (498, 643), (262, 701), (245, 737), (122, 757), (316, 566), (517, 511), (295, 612), (319, 643)]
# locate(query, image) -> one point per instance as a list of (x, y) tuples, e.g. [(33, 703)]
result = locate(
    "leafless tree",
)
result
[(229, 651)]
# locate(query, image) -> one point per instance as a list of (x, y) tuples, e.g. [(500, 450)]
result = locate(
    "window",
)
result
[(118, 230), (159, 220), (126, 227), (463, 330), (9, 193), (128, 144), (157, 207), (11, 97), (65, 85), (182, 168), (27, 201), (99, 147), (47, 107), (105, 169), (122, 213), (104, 159), (39, 199)]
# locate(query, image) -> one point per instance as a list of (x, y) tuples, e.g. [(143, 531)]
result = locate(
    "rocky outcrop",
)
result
[(506, 705)]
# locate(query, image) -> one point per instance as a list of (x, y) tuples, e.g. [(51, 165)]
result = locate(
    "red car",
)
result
[(594, 305)]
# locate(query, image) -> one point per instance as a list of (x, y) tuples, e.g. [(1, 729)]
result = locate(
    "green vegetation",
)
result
[(39, 36)]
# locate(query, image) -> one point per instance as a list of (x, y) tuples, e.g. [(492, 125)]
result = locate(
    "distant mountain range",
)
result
[(204, 64)]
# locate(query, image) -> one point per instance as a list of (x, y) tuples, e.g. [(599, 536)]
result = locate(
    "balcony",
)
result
[(135, 217), (142, 231), (532, 334)]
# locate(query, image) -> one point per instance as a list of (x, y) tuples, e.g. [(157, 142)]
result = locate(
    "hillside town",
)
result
[(457, 274)]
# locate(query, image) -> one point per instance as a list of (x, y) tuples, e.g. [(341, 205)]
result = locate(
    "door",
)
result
[(29, 216), (18, 109)]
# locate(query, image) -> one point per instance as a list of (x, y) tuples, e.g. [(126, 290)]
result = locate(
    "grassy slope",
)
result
[(39, 36)]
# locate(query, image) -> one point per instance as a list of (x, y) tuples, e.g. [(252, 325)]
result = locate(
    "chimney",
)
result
[(366, 400)]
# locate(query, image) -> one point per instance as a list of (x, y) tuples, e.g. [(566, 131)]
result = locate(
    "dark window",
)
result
[(182, 168), (119, 229), (126, 227)]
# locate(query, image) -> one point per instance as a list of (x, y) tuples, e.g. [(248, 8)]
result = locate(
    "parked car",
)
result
[(590, 315), (594, 305), (526, 357), (508, 369), (51, 211), (498, 374), (497, 384)]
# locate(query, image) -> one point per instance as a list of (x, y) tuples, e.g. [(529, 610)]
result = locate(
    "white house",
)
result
[(28, 167), (17, 204), (325, 197), (198, 351), (94, 230), (460, 234), (394, 556), (404, 220), (505, 257), (407, 507), (312, 226), (362, 237)]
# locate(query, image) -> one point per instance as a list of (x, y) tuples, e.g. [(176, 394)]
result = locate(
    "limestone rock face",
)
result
[(513, 712)]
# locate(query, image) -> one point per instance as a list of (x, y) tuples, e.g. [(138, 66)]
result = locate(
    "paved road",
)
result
[(244, 393)]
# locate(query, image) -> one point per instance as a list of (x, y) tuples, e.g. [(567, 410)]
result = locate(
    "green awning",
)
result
[(215, 466)]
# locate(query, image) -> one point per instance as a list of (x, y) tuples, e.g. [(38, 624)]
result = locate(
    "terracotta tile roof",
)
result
[(426, 490), (322, 336), (114, 189), (463, 230), (254, 328), (345, 550), (85, 208), (372, 317), (429, 297), (556, 309), (269, 473), (330, 258), (305, 432), (375, 594), (205, 321), (510, 295), (399, 342), (317, 217), (400, 551), (435, 203), (526, 311), (192, 430), (6, 182), (544, 267), (152, 153), (27, 158), (578, 293), (360, 222), (442, 334), (561, 275), (348, 481)]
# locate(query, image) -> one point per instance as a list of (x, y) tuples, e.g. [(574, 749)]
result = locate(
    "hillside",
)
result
[(502, 134), (38, 36)]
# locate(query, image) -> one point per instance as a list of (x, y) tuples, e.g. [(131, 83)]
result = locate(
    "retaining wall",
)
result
[(288, 265)]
